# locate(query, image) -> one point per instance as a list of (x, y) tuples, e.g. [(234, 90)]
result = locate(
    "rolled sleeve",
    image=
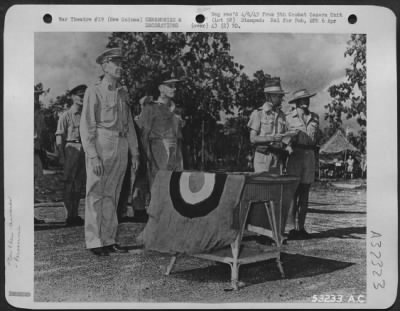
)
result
[(88, 123), (62, 126), (312, 131), (254, 121)]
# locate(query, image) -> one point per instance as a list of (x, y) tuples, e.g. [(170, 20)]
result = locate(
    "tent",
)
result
[(336, 148)]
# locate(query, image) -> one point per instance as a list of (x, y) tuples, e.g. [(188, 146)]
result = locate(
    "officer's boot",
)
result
[(303, 207), (75, 209)]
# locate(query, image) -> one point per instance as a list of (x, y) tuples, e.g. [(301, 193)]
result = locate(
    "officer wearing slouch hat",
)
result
[(301, 161), (267, 124), (108, 135), (69, 144), (161, 130)]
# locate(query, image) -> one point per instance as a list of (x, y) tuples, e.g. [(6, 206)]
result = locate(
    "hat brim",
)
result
[(300, 97), (101, 60), (170, 81), (276, 92)]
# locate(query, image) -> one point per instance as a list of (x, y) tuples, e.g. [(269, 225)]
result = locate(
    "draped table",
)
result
[(206, 215)]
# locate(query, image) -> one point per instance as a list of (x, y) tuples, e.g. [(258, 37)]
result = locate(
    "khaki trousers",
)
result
[(102, 192), (74, 177)]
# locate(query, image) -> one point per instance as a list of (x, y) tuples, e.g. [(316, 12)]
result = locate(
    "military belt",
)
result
[(114, 132)]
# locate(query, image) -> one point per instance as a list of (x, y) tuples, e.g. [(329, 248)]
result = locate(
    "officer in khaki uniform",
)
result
[(161, 130), (301, 161), (69, 144), (267, 125), (108, 134)]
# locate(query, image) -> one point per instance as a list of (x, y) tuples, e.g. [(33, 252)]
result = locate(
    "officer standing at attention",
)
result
[(161, 130), (108, 134), (69, 145), (267, 124), (301, 161)]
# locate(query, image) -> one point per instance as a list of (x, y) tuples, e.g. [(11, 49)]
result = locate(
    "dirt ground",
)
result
[(332, 262)]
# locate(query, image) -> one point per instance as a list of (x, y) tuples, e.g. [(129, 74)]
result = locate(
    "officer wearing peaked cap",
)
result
[(301, 161), (108, 135), (108, 55), (69, 144)]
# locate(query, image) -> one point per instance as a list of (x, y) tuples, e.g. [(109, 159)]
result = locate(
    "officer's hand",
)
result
[(135, 163), (97, 166), (289, 149)]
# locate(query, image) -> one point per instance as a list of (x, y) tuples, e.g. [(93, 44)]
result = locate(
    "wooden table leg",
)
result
[(280, 266), (171, 264)]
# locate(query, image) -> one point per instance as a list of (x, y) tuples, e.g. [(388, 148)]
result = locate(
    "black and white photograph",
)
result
[(194, 155), (207, 168)]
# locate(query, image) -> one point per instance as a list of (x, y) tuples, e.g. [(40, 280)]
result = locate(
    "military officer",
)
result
[(301, 161), (267, 124), (39, 128), (161, 130), (108, 135), (68, 140)]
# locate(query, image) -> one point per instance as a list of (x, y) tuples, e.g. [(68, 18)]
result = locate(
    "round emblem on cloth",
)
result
[(190, 203)]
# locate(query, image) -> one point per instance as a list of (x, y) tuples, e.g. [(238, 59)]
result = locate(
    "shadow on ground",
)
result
[(50, 225), (321, 211), (342, 233), (295, 265)]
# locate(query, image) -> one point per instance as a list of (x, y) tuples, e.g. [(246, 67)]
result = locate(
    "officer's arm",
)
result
[(256, 139), (312, 130), (311, 136), (88, 123), (145, 123), (60, 136), (132, 139)]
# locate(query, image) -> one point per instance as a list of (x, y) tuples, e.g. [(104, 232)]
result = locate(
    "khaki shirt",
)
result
[(109, 110), (267, 122), (157, 121), (308, 128), (68, 124)]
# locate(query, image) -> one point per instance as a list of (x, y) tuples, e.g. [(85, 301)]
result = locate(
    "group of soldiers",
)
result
[(97, 135)]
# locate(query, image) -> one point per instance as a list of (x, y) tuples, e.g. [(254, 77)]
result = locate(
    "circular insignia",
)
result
[(199, 203), (196, 197)]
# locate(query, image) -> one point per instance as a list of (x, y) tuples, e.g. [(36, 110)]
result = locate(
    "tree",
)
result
[(51, 114), (201, 60), (250, 96), (359, 141), (345, 99)]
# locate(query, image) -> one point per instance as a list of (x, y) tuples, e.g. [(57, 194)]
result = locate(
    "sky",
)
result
[(311, 61)]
